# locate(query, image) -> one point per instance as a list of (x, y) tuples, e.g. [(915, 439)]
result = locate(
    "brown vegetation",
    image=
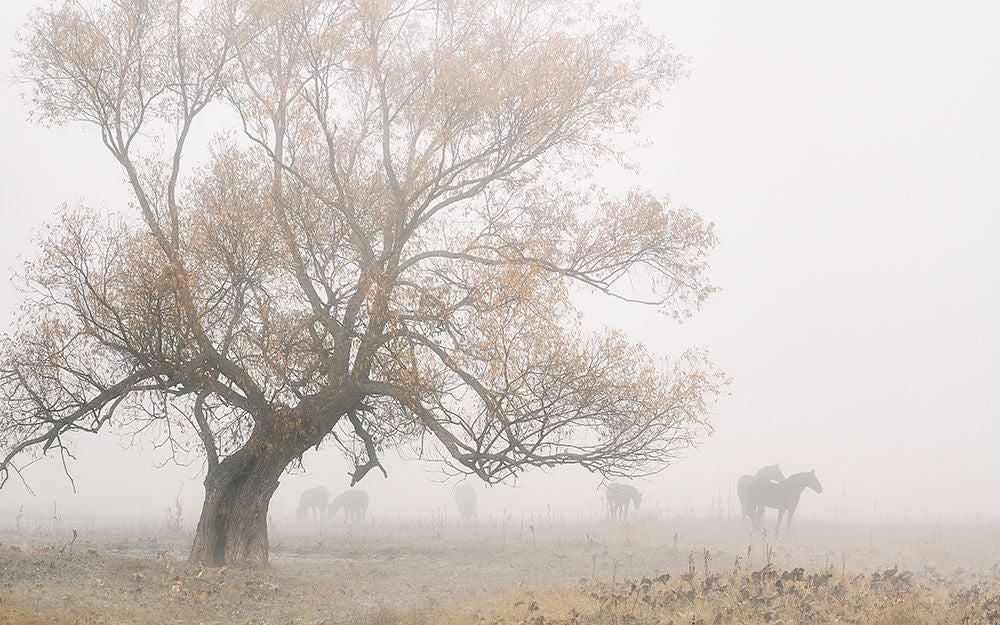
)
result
[(565, 574)]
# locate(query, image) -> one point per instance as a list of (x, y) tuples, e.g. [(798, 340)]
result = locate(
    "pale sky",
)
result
[(848, 154)]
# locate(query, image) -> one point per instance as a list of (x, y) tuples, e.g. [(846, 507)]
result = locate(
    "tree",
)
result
[(388, 252)]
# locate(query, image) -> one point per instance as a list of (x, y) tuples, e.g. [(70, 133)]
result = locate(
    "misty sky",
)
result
[(847, 152)]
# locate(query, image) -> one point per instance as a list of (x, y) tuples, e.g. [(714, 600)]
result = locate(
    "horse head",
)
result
[(771, 473), (813, 483)]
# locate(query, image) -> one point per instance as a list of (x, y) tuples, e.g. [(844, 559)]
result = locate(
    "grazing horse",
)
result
[(783, 496), (618, 497), (770, 473), (465, 499), (354, 502), (312, 500)]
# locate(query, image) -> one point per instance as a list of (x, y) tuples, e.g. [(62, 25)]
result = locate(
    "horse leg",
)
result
[(791, 511), (777, 524)]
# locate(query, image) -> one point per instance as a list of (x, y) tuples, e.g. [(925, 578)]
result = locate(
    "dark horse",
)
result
[(770, 473), (783, 496)]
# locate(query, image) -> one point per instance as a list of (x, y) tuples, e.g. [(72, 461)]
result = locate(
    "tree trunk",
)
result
[(233, 524)]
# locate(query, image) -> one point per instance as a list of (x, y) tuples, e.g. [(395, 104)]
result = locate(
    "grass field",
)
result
[(650, 570)]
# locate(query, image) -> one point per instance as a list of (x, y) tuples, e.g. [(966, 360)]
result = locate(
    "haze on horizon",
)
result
[(847, 155)]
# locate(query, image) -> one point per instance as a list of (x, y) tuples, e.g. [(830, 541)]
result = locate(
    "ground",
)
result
[(532, 571)]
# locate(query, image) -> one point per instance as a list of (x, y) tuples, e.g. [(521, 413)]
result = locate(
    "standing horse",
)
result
[(618, 497), (353, 502), (770, 473), (313, 500), (783, 496), (465, 499)]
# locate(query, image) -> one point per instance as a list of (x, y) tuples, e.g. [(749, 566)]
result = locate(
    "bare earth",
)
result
[(533, 572)]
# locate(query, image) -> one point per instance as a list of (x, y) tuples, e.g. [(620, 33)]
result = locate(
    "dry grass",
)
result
[(769, 596), (140, 592), (573, 574)]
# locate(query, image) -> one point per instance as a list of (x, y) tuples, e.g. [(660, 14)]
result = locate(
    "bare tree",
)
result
[(388, 252)]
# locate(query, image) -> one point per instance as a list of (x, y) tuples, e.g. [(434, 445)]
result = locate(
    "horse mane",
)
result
[(797, 476)]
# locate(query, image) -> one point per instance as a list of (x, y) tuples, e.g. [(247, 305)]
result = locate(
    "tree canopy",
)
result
[(386, 251)]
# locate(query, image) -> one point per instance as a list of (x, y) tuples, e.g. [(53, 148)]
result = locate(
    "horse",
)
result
[(312, 500), (770, 473), (618, 497), (783, 496), (353, 501), (465, 499)]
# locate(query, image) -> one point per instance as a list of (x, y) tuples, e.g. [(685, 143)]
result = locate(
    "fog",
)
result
[(847, 154)]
